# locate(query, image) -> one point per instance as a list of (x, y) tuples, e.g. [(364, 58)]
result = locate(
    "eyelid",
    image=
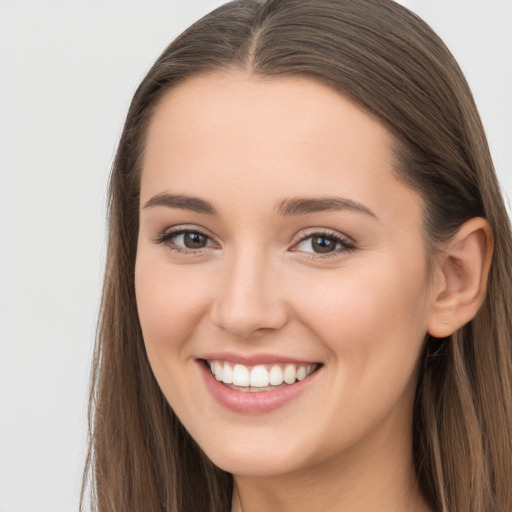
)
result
[(165, 236), (347, 243)]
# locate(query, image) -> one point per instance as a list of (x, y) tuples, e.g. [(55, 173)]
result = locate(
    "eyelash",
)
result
[(166, 237), (347, 245)]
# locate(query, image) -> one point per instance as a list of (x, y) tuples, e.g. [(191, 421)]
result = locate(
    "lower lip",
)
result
[(253, 402)]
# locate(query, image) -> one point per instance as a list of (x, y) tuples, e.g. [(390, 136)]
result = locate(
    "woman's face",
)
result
[(276, 243)]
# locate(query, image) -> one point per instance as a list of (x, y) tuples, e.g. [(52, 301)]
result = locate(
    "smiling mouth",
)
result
[(261, 377)]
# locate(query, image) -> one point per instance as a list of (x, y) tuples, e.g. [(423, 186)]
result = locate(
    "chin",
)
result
[(254, 464), (259, 458)]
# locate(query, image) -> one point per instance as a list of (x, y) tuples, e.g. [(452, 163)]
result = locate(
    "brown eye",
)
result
[(194, 240), (185, 240), (323, 244)]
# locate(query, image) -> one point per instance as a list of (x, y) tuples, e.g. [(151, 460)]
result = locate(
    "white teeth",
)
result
[(289, 374), (227, 377), (259, 376), (276, 376), (217, 370), (240, 375)]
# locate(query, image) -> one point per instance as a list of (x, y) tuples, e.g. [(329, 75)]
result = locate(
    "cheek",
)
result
[(171, 301), (374, 319), (373, 325)]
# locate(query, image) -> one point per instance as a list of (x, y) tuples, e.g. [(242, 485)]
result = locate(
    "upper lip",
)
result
[(254, 359)]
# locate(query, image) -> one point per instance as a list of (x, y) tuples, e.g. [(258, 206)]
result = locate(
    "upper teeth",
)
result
[(259, 376)]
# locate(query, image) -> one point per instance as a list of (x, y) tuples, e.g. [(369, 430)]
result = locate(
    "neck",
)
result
[(357, 481)]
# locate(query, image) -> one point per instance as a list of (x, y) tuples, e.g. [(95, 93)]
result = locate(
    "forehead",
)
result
[(267, 137), (282, 110)]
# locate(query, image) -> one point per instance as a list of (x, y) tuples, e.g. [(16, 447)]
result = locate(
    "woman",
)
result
[(307, 295)]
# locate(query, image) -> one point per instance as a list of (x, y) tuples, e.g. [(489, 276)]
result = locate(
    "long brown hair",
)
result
[(393, 65)]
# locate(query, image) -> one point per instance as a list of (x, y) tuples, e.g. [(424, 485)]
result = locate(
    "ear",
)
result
[(463, 270)]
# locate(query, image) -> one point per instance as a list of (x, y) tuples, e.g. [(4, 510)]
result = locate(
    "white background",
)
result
[(68, 70)]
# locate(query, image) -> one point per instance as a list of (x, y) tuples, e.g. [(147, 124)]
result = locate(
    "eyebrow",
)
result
[(288, 207), (180, 201), (305, 205)]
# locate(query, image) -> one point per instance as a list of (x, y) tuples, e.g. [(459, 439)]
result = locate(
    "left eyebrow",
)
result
[(194, 204), (305, 205)]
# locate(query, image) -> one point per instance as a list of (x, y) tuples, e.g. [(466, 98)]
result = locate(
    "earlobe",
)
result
[(463, 269)]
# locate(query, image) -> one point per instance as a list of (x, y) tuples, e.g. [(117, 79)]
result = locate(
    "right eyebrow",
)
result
[(180, 201), (306, 205)]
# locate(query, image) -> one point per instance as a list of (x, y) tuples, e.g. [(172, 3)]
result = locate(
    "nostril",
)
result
[(248, 305)]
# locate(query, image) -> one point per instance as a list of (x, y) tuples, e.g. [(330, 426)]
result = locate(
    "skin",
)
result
[(246, 144)]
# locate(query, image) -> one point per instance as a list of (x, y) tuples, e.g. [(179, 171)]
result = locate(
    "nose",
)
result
[(249, 302)]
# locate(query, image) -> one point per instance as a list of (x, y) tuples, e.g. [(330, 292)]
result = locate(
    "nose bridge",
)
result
[(249, 300)]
